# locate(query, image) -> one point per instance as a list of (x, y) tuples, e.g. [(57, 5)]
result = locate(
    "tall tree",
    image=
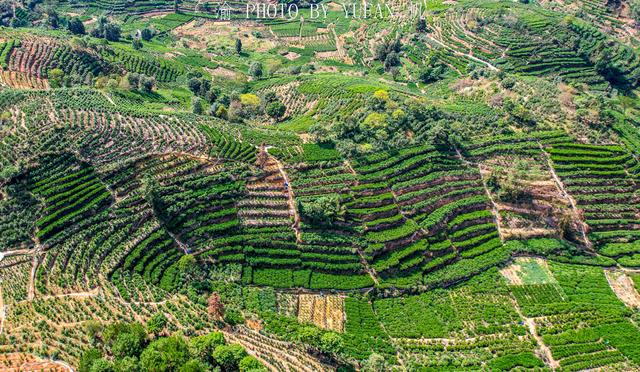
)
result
[(76, 26)]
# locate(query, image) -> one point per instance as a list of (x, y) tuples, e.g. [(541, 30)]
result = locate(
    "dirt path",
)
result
[(623, 287), (543, 349), (452, 341), (181, 245), (291, 200), (339, 46), (494, 206), (363, 260), (367, 269), (384, 329), (108, 97), (455, 52), (574, 208), (46, 365), (31, 287), (17, 252), (92, 293)]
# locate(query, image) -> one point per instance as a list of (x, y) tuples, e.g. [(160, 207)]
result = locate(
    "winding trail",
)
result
[(108, 97), (369, 270), (574, 208), (92, 293), (291, 200), (543, 349), (494, 206), (31, 287), (458, 53), (17, 252)]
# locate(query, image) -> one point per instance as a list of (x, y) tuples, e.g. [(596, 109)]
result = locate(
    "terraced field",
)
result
[(188, 187)]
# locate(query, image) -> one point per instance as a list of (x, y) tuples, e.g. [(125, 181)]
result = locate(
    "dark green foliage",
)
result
[(157, 323), (76, 26), (88, 358), (228, 356), (275, 109), (421, 25), (123, 339), (202, 347), (146, 34), (165, 354), (324, 210), (250, 363), (106, 30), (255, 70), (18, 213), (508, 362)]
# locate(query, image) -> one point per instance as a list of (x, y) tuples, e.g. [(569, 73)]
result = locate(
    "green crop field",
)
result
[(317, 186)]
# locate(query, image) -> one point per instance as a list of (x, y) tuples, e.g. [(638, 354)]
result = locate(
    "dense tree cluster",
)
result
[(387, 52), (141, 82), (106, 30), (385, 123), (205, 93), (130, 347), (76, 26), (324, 210)]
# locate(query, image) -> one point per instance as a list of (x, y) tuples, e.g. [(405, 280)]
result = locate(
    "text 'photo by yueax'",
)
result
[(320, 11)]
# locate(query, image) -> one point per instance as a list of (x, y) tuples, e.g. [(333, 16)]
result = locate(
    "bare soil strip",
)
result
[(622, 285)]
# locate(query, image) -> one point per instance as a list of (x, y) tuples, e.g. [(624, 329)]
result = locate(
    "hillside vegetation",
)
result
[(450, 189)]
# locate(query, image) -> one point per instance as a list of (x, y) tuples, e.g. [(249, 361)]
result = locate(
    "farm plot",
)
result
[(395, 244), (31, 60), (329, 96), (296, 103), (14, 277), (528, 271), (363, 332), (267, 219), (606, 19), (424, 208), (324, 311), (164, 70), (527, 199), (21, 80), (485, 32), (279, 355), (104, 137), (70, 192), (164, 207), (580, 319), (329, 249), (601, 179), (18, 213), (471, 326), (228, 147), (56, 326), (195, 202)]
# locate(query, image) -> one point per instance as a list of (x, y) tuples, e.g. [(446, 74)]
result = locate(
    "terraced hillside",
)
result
[(449, 187), (531, 41)]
